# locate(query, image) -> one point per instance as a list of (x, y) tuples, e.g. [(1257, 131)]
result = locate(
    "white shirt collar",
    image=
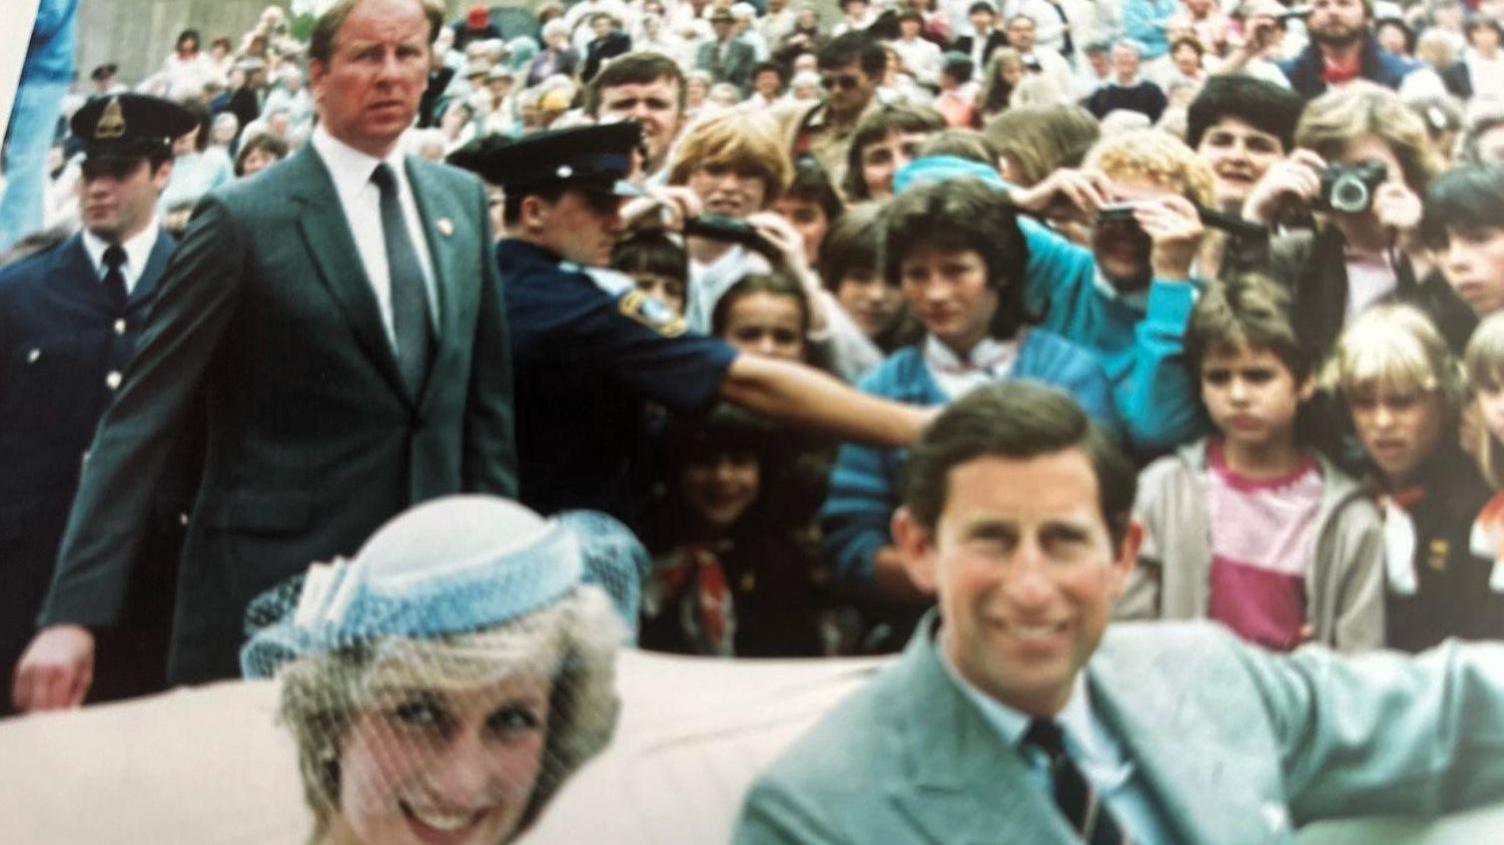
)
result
[(350, 168), (137, 251), (1087, 740)]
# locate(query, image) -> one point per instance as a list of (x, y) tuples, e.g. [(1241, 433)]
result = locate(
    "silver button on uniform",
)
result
[(120, 326), (112, 381)]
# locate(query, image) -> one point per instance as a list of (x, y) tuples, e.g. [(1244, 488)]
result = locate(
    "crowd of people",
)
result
[(1262, 246)]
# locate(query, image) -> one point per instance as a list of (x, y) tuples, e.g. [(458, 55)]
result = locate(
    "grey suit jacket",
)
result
[(265, 313), (1235, 745)]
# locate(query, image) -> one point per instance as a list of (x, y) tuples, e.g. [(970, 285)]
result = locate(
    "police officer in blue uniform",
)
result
[(589, 351), (69, 317)]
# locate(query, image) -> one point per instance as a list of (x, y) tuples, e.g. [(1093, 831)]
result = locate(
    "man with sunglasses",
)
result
[(589, 350), (851, 66), (69, 319)]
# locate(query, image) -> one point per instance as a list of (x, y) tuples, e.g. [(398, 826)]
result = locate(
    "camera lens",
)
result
[(1349, 193)]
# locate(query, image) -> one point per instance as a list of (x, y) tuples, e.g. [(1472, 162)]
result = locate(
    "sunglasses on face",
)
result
[(843, 81)]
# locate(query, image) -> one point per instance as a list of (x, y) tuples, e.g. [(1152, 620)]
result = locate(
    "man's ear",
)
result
[(916, 543), (160, 175), (317, 70), (533, 214), (1127, 553)]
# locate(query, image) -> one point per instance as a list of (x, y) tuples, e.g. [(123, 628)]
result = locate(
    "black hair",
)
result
[(511, 209), (1263, 105), (957, 66), (1468, 197), (651, 251), (812, 184), (853, 47), (963, 214)]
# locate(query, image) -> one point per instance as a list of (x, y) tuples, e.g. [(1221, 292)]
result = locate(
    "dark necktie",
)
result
[(1066, 47), (114, 278), (410, 320), (1073, 795)]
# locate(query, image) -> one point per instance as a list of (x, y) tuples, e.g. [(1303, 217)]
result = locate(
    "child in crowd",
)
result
[(733, 573), (811, 205), (849, 270), (882, 142), (1485, 374), (657, 264), (767, 314), (1249, 526), (955, 250), (1404, 391), (1464, 223)]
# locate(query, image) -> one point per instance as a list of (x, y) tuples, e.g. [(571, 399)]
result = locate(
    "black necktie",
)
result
[(410, 320), (1073, 795), (1066, 48), (114, 278)]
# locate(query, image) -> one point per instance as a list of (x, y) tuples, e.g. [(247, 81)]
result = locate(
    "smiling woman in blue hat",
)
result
[(443, 684)]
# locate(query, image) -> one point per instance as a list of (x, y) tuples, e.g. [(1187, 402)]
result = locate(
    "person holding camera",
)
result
[(1361, 164)]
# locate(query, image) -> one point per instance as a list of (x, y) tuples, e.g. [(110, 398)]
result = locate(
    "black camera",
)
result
[(1349, 187), (718, 227)]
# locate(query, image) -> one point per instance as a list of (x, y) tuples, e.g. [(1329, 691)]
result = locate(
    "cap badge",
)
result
[(111, 122)]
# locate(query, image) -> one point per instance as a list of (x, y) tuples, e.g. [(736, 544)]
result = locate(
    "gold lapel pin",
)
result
[(445, 226)]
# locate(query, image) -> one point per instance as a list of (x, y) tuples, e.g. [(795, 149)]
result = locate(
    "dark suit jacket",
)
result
[(1458, 79), (312, 440), (60, 340), (608, 46), (995, 39), (1233, 744), (735, 67)]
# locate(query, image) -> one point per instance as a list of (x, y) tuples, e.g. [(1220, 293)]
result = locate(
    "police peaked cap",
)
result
[(130, 126), (599, 155)]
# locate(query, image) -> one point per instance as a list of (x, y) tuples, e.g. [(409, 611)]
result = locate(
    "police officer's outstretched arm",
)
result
[(805, 397)]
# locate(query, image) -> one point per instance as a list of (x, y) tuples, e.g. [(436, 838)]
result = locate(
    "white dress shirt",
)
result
[(137, 251), (351, 171)]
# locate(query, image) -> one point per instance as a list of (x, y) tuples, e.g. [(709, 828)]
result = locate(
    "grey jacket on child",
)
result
[(1344, 580)]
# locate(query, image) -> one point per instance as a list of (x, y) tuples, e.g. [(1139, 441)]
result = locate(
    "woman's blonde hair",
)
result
[(1484, 363), (1337, 118), (1157, 156), (1398, 348), (739, 141), (573, 641)]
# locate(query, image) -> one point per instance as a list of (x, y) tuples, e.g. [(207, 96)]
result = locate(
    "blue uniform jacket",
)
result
[(63, 347), (865, 486), (586, 360)]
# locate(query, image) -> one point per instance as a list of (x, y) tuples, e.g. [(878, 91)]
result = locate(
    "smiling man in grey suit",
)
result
[(1015, 715), (340, 318)]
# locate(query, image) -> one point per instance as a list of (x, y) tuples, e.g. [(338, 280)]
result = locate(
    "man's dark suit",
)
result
[(312, 439), (62, 344), (734, 66), (965, 43)]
